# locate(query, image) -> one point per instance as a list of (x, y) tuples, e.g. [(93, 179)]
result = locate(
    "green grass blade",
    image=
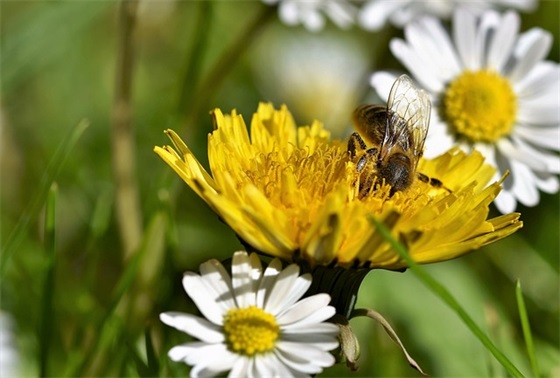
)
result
[(153, 362), (447, 298), (35, 205), (132, 274), (526, 329), (47, 318)]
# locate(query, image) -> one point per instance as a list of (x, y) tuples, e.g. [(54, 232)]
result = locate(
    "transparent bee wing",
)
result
[(408, 110)]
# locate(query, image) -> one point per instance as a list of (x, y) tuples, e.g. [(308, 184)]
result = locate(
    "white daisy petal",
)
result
[(320, 315), (299, 288), (284, 371), (265, 366), (271, 297), (382, 83), (535, 113), (312, 20), (547, 182), (304, 308), (505, 202), (343, 14), (516, 152), (311, 13), (464, 35), (490, 58), (291, 353), (425, 49), (213, 360), (267, 281), (551, 162), (284, 281), (410, 58), (489, 21), (503, 41), (532, 47), (217, 279), (288, 13), (375, 14), (504, 165), (184, 351), (489, 152), (213, 301), (245, 276), (241, 367), (321, 342), (197, 353), (439, 140), (524, 186), (192, 325), (543, 76), (448, 60), (320, 330)]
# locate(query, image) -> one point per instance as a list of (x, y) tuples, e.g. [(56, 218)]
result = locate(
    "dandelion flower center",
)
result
[(480, 105), (250, 330)]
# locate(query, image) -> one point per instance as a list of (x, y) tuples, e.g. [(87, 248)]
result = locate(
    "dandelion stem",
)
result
[(126, 190)]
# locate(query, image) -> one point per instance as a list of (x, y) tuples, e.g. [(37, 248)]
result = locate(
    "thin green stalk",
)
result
[(47, 319), (446, 297), (35, 205), (526, 330), (195, 55), (225, 63), (127, 200), (122, 300)]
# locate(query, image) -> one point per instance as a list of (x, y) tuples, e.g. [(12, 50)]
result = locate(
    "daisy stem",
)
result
[(47, 318), (447, 298), (525, 325), (126, 189)]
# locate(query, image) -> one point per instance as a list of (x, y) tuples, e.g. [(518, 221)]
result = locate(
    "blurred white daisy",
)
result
[(310, 13), (9, 356), (254, 325), (492, 90), (375, 14)]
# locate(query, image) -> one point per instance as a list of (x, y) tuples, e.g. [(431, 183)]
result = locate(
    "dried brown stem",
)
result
[(126, 189)]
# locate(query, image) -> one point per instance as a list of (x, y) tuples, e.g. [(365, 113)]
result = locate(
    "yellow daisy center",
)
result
[(250, 330), (480, 105)]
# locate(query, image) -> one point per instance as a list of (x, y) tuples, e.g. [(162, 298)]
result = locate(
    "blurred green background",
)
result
[(86, 306)]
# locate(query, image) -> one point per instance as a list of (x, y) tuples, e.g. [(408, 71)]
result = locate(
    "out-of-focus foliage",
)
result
[(57, 67)]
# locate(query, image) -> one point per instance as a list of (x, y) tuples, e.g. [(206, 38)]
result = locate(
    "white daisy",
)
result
[(492, 90), (9, 355), (309, 13), (254, 325), (377, 13)]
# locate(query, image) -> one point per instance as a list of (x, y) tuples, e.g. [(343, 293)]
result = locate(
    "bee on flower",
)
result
[(493, 91)]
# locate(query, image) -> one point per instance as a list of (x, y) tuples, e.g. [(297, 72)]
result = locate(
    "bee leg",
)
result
[(365, 185), (432, 181), (422, 177), (355, 143), (369, 156)]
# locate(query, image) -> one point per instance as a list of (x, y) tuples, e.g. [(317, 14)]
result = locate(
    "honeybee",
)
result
[(389, 140)]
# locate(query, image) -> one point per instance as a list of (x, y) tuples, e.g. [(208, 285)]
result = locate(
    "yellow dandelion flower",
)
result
[(292, 192)]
